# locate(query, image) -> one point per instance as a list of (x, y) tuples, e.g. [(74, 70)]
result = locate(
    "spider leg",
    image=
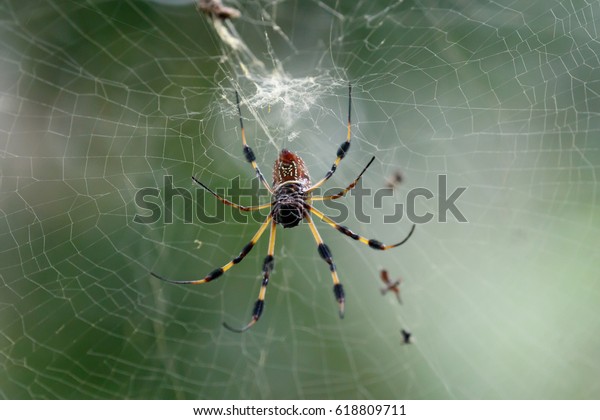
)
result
[(373, 243), (348, 188), (230, 203), (260, 302), (219, 271), (342, 150), (248, 153), (325, 253)]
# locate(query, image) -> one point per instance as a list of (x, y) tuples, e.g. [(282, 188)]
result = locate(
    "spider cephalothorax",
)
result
[(291, 203), (288, 206)]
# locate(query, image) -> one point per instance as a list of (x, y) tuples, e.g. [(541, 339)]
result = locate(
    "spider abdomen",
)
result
[(289, 167)]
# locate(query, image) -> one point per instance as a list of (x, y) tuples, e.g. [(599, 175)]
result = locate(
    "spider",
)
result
[(406, 336), (291, 203), (394, 180)]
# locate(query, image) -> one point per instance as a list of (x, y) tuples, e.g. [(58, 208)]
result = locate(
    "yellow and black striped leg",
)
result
[(373, 243), (219, 271), (260, 302), (345, 190), (342, 150), (230, 203), (325, 253), (248, 153)]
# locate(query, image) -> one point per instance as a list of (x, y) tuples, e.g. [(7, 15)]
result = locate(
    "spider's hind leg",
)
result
[(248, 153), (344, 147)]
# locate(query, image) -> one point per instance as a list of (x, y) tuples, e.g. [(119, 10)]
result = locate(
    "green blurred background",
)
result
[(100, 99)]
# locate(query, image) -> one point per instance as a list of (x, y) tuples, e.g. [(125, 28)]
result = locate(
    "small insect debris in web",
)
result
[(390, 286), (395, 180), (198, 243), (214, 8), (292, 202), (406, 336)]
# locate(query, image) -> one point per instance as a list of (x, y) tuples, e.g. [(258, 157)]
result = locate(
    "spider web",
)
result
[(100, 99)]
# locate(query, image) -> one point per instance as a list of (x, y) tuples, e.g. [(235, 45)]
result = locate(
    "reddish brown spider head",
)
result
[(289, 167)]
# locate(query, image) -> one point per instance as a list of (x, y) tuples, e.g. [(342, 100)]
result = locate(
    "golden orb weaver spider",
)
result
[(290, 204)]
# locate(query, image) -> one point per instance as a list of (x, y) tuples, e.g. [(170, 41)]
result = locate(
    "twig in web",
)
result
[(214, 8), (390, 285)]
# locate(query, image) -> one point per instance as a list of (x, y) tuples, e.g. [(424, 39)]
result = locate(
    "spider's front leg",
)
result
[(219, 271), (325, 253), (260, 302)]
